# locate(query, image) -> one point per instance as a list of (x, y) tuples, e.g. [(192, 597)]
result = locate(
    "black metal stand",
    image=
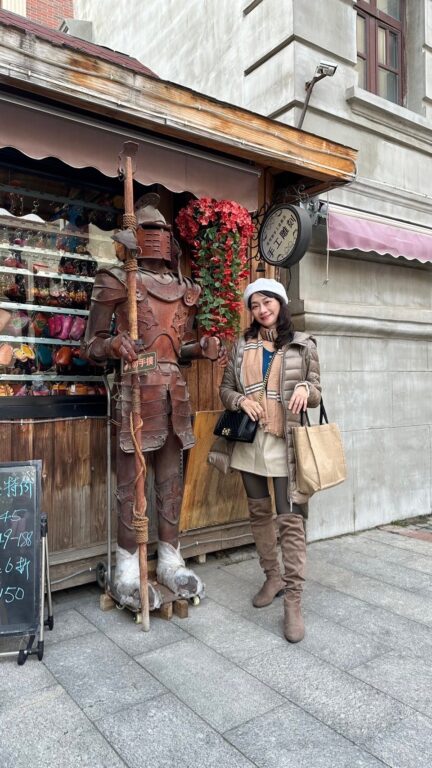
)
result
[(24, 653)]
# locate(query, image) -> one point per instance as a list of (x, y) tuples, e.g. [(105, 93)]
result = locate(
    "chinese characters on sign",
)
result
[(15, 540), (145, 363), (279, 235)]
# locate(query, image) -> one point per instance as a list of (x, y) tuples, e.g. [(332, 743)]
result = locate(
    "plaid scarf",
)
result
[(252, 378)]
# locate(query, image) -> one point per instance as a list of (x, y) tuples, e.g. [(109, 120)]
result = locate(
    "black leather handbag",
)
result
[(237, 425)]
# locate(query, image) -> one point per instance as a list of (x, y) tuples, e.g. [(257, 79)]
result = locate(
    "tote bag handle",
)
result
[(323, 418)]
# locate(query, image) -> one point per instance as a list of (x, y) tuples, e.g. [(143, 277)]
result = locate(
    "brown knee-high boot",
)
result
[(264, 533), (293, 546)]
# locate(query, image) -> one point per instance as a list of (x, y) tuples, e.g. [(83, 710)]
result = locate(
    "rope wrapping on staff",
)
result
[(130, 221), (139, 520), (131, 265)]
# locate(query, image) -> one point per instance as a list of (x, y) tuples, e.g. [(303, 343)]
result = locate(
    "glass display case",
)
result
[(47, 268)]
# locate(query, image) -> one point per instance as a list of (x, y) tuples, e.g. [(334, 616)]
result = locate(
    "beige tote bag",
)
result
[(319, 455)]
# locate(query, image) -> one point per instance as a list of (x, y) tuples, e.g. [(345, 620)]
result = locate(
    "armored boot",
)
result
[(293, 546), (126, 584), (172, 572), (264, 533)]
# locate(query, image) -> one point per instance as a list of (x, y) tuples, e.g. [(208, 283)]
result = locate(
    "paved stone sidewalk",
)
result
[(223, 689)]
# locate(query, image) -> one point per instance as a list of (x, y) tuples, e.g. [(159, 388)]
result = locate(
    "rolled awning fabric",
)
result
[(349, 230), (39, 131)]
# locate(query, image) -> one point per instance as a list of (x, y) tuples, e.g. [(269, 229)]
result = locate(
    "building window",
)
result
[(380, 37)]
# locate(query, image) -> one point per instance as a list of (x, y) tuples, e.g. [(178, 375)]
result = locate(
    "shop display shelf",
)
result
[(58, 254), (51, 275), (82, 378), (11, 305), (39, 340)]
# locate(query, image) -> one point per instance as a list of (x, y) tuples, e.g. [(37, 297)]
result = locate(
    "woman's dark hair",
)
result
[(284, 327)]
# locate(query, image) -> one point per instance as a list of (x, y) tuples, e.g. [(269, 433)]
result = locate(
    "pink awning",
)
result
[(353, 230), (39, 132)]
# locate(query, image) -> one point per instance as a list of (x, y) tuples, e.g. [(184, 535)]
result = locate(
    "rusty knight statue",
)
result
[(166, 307)]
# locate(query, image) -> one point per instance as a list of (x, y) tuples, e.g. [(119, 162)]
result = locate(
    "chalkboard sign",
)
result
[(20, 547)]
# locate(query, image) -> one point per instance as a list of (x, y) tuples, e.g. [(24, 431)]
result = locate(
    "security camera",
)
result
[(326, 68)]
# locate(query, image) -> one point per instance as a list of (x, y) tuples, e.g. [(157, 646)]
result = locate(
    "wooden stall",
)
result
[(82, 101)]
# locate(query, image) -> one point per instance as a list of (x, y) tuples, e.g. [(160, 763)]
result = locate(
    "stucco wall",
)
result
[(192, 42)]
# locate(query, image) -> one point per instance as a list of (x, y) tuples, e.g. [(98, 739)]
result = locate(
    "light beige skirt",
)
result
[(266, 456)]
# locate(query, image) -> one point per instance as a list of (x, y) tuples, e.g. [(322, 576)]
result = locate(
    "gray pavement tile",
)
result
[(232, 636), (164, 733), (67, 624), (47, 728), (17, 683), (407, 744), (65, 599), (288, 737), (409, 558), (332, 604), (426, 592), (402, 676), (351, 707), (391, 629), (360, 542), (120, 627), (396, 574), (228, 589), (331, 642), (249, 570), (383, 551), (414, 606), (213, 687), (400, 541), (99, 676)]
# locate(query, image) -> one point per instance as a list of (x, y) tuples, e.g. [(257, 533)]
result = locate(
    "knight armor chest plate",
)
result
[(165, 309)]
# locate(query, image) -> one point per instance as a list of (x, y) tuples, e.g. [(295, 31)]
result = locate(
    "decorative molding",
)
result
[(251, 7), (269, 55), (406, 126), (294, 38), (373, 189), (359, 320), (286, 108)]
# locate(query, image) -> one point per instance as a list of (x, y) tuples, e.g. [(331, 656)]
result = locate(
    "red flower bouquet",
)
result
[(219, 232)]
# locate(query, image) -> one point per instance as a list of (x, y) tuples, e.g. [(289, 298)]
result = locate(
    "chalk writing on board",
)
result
[(19, 547), (11, 540), (13, 487)]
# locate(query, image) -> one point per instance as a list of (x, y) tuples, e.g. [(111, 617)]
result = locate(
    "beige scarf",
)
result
[(252, 378)]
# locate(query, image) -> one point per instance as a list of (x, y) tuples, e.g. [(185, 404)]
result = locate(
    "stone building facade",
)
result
[(370, 311)]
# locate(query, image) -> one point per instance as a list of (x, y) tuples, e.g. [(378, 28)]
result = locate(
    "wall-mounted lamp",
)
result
[(324, 69)]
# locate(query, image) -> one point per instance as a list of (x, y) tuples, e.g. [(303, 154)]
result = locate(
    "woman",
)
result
[(293, 385)]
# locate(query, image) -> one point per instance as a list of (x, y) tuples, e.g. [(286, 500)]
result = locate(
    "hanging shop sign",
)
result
[(285, 235)]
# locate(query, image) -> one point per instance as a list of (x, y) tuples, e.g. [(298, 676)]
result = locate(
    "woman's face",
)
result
[(265, 310)]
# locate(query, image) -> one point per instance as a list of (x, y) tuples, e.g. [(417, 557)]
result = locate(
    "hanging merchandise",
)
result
[(47, 272)]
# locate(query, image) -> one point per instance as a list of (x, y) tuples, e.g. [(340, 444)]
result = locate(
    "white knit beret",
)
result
[(265, 284)]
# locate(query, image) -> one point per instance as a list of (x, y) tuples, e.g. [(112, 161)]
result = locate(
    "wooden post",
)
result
[(140, 520)]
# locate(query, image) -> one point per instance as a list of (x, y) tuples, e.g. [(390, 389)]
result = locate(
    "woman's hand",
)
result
[(253, 409), (298, 400)]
